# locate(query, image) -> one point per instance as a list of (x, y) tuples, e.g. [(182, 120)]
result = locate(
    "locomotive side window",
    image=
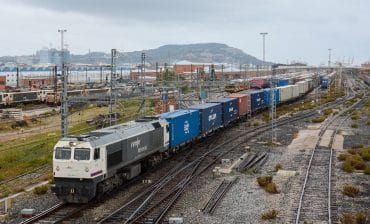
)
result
[(82, 154), (62, 153), (96, 153)]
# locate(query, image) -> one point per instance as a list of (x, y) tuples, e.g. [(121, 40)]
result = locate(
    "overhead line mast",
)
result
[(64, 97)]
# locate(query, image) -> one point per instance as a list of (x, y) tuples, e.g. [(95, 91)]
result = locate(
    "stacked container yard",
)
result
[(285, 93), (243, 102), (210, 116), (229, 109), (183, 126)]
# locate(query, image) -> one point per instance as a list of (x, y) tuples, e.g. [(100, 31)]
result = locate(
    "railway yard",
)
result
[(312, 167)]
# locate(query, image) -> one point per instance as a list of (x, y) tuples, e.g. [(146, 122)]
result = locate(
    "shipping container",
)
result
[(295, 91), (210, 116), (285, 93), (243, 102), (229, 109), (260, 83), (257, 99), (267, 96), (303, 87), (183, 126), (282, 82)]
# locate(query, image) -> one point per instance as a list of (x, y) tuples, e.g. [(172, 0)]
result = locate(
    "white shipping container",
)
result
[(295, 91), (285, 93), (303, 87)]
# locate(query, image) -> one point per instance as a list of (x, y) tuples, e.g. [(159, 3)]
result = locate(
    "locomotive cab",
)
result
[(77, 168)]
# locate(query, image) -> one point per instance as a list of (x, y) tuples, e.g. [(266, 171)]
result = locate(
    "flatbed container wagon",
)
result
[(243, 102), (229, 109), (210, 116), (285, 93), (267, 96), (183, 126), (257, 100), (295, 91)]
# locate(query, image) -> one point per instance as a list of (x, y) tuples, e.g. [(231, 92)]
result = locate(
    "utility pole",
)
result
[(263, 37), (273, 88), (329, 61), (143, 56), (64, 98), (112, 98)]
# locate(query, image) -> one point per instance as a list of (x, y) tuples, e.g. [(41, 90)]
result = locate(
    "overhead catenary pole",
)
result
[(329, 61), (64, 99), (112, 98)]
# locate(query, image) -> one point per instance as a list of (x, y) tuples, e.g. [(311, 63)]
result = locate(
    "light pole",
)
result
[(329, 61), (263, 37), (63, 100)]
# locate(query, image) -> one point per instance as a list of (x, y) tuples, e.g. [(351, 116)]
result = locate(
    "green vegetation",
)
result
[(354, 125), (318, 119), (270, 214), (355, 158), (271, 188), (350, 190), (40, 190), (367, 171)]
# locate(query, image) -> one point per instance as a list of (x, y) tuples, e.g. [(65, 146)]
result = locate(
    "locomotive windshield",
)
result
[(63, 153), (82, 154)]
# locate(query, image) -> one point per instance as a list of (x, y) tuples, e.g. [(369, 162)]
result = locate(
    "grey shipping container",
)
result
[(210, 116), (229, 109)]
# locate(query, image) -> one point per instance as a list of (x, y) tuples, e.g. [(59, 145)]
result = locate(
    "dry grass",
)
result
[(367, 171), (278, 167), (350, 190), (270, 214), (40, 190), (264, 180), (271, 188), (354, 125), (354, 218)]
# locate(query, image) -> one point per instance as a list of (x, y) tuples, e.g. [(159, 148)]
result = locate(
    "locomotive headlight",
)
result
[(86, 169), (57, 168)]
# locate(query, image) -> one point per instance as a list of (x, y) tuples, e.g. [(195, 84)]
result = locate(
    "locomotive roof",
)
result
[(117, 132)]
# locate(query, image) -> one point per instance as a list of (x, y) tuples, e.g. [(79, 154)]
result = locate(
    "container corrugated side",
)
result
[(295, 91), (243, 102), (210, 116), (257, 100), (267, 96), (229, 109), (285, 93), (183, 126)]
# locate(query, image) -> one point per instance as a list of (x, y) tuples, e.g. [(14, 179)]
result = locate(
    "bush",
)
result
[(343, 156), (365, 154), (357, 162), (40, 190), (318, 119), (368, 122), (270, 214), (328, 111), (346, 218), (367, 170), (354, 125), (271, 188), (355, 117), (347, 167), (350, 190), (278, 167), (264, 180), (361, 218)]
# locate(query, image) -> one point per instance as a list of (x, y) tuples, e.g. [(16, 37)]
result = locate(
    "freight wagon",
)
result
[(257, 100), (243, 103), (210, 116), (267, 96), (229, 109), (183, 126)]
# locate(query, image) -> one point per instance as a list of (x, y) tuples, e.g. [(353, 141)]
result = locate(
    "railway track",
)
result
[(315, 202), (153, 203), (218, 195)]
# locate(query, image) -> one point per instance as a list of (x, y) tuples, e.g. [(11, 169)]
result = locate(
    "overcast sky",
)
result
[(297, 29)]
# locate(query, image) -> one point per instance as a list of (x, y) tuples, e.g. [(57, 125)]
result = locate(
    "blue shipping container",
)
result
[(210, 116), (183, 126), (267, 96), (229, 109), (257, 100), (283, 82)]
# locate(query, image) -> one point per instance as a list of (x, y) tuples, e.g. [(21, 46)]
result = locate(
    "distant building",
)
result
[(52, 56)]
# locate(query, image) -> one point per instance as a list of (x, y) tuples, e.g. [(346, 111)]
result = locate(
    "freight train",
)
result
[(89, 165), (43, 96), (325, 80)]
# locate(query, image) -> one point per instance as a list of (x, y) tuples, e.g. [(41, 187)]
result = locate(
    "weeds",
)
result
[(350, 190), (278, 167), (264, 180), (40, 190), (270, 214), (367, 171)]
